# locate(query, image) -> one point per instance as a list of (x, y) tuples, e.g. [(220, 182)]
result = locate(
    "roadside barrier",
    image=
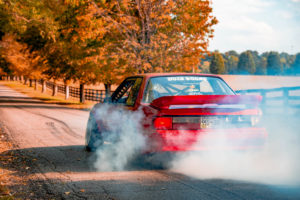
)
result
[(286, 96), (69, 91), (283, 96)]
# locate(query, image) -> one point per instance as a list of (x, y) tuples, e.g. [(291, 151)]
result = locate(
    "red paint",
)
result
[(165, 102), (165, 136), (163, 123)]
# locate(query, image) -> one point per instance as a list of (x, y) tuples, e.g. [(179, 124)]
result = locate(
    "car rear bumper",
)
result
[(209, 139)]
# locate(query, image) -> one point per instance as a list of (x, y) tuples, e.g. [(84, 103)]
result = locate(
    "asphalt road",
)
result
[(53, 136)]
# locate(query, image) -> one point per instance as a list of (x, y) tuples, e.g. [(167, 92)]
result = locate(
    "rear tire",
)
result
[(93, 139), (156, 160)]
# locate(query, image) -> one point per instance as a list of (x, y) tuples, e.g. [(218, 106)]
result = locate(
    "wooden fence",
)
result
[(287, 96), (89, 94)]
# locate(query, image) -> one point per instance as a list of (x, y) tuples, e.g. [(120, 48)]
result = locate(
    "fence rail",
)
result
[(75, 92), (287, 96), (90, 94)]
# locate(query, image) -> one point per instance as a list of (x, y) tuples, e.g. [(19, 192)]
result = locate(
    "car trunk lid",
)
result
[(207, 102)]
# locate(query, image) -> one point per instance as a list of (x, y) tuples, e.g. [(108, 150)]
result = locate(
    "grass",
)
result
[(47, 97)]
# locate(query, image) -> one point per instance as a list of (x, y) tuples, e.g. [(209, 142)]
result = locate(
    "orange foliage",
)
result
[(22, 61), (102, 41)]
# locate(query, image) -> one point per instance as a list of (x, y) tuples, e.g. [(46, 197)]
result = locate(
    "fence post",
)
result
[(107, 89), (285, 97), (263, 94), (54, 89), (81, 93), (35, 84), (43, 86), (67, 91)]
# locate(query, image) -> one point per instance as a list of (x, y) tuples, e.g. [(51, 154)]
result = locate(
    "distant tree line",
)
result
[(251, 62)]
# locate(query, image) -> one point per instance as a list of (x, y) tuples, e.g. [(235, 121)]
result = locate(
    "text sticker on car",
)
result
[(186, 78)]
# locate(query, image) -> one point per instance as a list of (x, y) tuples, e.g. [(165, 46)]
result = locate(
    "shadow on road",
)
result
[(136, 182), (28, 102), (63, 159)]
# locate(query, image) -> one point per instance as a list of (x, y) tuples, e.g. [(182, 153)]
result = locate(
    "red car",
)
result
[(185, 112)]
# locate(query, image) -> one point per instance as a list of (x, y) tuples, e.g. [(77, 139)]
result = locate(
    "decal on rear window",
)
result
[(183, 85), (185, 78)]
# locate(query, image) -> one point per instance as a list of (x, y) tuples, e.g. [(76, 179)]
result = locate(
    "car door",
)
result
[(126, 94)]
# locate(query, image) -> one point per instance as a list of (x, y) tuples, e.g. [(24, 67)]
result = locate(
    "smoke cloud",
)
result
[(276, 163), (123, 138)]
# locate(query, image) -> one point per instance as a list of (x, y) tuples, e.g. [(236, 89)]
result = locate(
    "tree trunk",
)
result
[(35, 84), (54, 89), (30, 82), (8, 78), (81, 92), (21, 78), (107, 89), (26, 80), (43, 86), (67, 92)]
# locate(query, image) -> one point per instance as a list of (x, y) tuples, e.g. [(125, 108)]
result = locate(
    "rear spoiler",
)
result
[(207, 101)]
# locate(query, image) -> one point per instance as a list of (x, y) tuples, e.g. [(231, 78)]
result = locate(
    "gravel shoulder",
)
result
[(16, 173)]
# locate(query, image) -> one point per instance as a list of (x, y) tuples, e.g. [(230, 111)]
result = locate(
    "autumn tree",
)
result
[(256, 58), (287, 62), (246, 63), (4, 69), (261, 68), (4, 19), (109, 39), (101, 41), (217, 65), (232, 60), (296, 64), (21, 60), (274, 66), (25, 36)]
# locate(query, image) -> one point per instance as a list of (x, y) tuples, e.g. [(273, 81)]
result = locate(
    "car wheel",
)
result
[(93, 138)]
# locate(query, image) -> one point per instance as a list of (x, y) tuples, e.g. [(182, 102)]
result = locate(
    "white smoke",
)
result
[(123, 138), (277, 163)]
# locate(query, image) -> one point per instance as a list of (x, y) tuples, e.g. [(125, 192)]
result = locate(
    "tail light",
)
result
[(163, 123)]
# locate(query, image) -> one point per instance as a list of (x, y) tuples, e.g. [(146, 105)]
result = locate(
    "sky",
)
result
[(261, 25)]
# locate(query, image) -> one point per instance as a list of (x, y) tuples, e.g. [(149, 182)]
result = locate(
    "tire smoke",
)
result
[(122, 137), (277, 163)]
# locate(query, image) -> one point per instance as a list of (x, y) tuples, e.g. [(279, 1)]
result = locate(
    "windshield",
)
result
[(184, 85)]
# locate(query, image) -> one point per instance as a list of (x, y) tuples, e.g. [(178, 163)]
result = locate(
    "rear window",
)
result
[(184, 85)]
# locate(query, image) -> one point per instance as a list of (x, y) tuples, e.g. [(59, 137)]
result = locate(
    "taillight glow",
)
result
[(163, 123)]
